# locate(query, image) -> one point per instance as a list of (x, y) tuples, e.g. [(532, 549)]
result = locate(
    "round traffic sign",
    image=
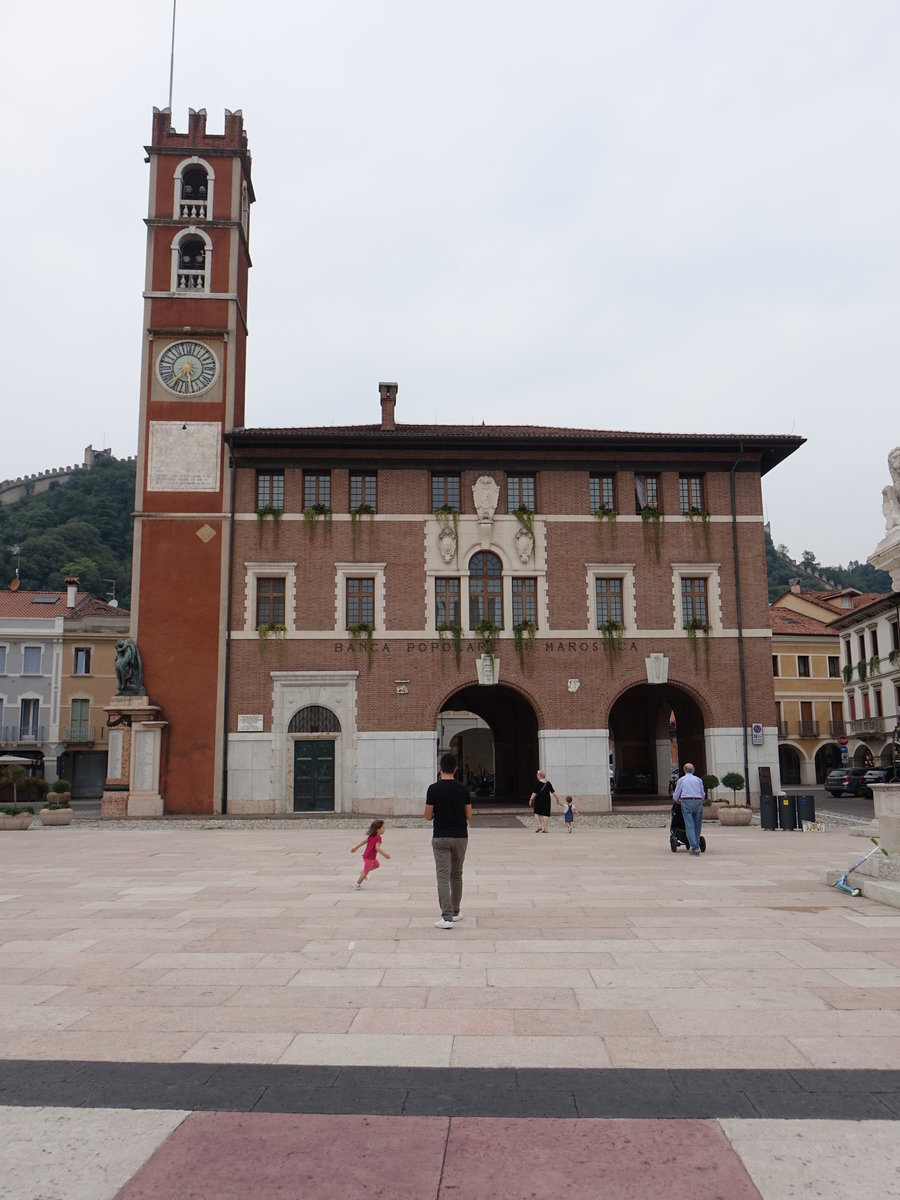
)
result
[(842, 741)]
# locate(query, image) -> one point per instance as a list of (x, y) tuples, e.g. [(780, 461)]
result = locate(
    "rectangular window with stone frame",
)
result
[(269, 600), (609, 601), (446, 602), (694, 603), (360, 601), (524, 600)]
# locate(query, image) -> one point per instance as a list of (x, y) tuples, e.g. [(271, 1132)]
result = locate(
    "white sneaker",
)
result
[(458, 917), (440, 923), (357, 887)]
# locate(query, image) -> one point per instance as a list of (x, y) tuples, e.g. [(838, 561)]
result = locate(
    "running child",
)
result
[(372, 843), (570, 814)]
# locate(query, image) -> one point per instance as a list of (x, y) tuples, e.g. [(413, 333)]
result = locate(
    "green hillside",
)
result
[(78, 528), (814, 577)]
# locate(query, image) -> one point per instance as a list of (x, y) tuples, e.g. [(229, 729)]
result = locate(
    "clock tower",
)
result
[(191, 394)]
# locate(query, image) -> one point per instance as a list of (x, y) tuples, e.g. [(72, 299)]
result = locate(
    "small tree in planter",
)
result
[(735, 781), (58, 810)]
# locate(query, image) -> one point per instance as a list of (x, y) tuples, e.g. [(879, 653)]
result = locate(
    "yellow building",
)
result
[(809, 685)]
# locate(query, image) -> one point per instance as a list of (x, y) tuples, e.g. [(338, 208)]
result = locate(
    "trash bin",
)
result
[(768, 812), (787, 812), (806, 809)]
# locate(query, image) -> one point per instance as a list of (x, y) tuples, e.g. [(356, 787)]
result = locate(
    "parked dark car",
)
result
[(847, 779), (879, 775)]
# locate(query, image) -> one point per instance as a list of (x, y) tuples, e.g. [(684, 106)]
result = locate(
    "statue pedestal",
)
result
[(886, 557), (135, 745), (887, 811)]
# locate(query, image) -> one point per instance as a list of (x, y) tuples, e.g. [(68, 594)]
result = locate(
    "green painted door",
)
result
[(314, 776)]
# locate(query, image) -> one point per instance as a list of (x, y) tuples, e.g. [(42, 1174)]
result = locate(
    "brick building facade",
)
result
[(346, 596)]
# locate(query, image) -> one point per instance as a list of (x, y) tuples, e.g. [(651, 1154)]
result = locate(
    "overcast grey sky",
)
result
[(658, 215)]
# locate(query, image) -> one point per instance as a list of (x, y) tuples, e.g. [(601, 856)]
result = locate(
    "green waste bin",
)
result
[(787, 812), (768, 812)]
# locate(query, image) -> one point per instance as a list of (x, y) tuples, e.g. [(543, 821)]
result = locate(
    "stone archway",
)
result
[(653, 727), (828, 758), (789, 766), (513, 726)]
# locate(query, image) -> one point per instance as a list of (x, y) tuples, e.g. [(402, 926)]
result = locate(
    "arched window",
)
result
[(314, 719), (194, 189), (194, 183), (191, 261), (485, 589)]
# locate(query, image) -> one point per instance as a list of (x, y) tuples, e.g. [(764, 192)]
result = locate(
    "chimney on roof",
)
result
[(388, 393), (71, 592), (794, 585)]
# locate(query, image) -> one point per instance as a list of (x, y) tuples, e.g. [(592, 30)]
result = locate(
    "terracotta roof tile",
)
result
[(48, 603), (785, 620)]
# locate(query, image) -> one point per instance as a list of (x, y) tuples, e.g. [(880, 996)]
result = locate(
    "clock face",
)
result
[(187, 368)]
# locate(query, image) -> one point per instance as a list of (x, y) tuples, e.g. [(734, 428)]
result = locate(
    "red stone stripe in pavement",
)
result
[(269, 1156)]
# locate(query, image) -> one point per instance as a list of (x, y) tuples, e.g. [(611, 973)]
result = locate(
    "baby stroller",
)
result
[(678, 833)]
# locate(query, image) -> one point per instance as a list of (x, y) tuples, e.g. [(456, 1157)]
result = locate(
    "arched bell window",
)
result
[(485, 589), (314, 719), (194, 181), (194, 192), (191, 261)]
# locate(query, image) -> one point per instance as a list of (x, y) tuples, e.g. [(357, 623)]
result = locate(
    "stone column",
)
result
[(135, 755)]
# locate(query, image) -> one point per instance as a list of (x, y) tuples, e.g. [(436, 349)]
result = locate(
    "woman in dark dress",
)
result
[(540, 802)]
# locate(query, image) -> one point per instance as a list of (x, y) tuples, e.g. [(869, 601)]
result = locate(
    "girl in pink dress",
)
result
[(372, 843)]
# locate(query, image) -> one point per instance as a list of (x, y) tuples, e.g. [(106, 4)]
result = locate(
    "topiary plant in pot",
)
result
[(57, 810)]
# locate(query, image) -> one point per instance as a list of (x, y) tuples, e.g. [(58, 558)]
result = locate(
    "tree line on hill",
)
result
[(83, 528)]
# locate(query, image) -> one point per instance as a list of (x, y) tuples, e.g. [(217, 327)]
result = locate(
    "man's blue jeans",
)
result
[(692, 811)]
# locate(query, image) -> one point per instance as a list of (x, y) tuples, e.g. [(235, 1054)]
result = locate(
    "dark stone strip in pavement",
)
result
[(455, 1091)]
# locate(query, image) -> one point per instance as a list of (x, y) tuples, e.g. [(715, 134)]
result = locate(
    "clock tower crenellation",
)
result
[(191, 395)]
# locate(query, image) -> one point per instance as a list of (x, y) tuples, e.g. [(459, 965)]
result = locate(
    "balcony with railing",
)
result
[(809, 729), (837, 728), (79, 735), (18, 735), (783, 731), (866, 725)]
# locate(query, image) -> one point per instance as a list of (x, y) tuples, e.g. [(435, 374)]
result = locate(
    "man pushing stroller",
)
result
[(690, 794)]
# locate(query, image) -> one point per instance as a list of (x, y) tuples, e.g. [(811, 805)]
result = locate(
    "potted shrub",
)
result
[(734, 813), (711, 805), (57, 810), (14, 817)]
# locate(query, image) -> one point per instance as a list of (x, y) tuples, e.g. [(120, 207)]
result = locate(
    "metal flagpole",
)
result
[(172, 57)]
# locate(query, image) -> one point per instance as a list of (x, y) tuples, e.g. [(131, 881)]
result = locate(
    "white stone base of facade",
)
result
[(725, 753), (393, 772), (250, 788), (577, 764)]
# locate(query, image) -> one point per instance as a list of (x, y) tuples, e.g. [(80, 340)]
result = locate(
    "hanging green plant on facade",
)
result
[(874, 664), (862, 668), (361, 510), (268, 511), (525, 516), (693, 628), (360, 631), (609, 516), (847, 673), (270, 629), (454, 631), (613, 637), (525, 629), (894, 657), (652, 520), (312, 512), (693, 515), (487, 633), (448, 515)]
